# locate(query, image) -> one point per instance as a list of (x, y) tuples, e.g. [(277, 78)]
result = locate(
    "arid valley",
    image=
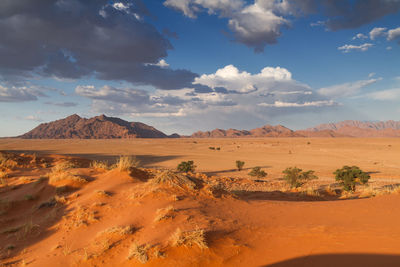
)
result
[(59, 209)]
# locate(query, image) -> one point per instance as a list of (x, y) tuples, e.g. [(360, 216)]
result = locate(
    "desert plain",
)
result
[(58, 208)]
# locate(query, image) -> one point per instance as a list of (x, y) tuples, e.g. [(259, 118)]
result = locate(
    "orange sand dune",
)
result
[(59, 211)]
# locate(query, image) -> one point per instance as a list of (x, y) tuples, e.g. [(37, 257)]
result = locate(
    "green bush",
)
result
[(239, 165), (295, 177), (350, 176), (257, 172), (186, 166)]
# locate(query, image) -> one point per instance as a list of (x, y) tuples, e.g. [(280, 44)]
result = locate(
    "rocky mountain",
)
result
[(100, 127), (265, 131), (340, 129), (360, 128)]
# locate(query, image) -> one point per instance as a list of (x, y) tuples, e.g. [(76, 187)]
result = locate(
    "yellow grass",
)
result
[(125, 163), (189, 238)]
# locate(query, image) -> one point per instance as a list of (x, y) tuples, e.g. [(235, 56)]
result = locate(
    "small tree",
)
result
[(350, 176), (295, 177), (239, 165), (257, 172), (186, 166)]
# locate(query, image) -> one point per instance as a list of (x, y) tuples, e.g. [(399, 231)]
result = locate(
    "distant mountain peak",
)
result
[(99, 127)]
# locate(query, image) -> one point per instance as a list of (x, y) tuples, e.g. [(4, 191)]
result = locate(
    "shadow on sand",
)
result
[(342, 260)]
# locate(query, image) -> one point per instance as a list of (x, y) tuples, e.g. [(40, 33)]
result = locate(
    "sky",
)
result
[(188, 65)]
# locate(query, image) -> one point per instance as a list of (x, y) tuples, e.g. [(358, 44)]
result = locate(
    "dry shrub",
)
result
[(125, 163), (372, 192), (100, 165), (120, 230), (189, 238), (139, 252), (82, 216), (56, 176), (311, 192), (64, 165), (164, 213), (102, 193), (6, 162), (174, 180)]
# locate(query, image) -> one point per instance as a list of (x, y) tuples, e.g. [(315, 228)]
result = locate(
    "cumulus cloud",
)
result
[(360, 36), (348, 48), (80, 38), (393, 34), (229, 91), (17, 94), (377, 32), (346, 89), (259, 22), (243, 82), (346, 14)]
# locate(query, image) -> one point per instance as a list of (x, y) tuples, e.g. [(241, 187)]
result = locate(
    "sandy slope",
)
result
[(95, 218), (324, 155)]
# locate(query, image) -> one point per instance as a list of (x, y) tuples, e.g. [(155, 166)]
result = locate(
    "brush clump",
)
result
[(173, 179)]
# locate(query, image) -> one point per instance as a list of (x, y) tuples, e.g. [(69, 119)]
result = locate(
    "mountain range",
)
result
[(103, 127)]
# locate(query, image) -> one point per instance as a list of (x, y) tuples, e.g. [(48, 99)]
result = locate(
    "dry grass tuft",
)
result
[(81, 216), (6, 162), (139, 252), (61, 174), (189, 238), (120, 230), (174, 180), (164, 213), (125, 163), (64, 165), (102, 193), (100, 165), (372, 192), (311, 192)]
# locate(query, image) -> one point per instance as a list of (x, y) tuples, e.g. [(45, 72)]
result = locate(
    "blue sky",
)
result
[(187, 65)]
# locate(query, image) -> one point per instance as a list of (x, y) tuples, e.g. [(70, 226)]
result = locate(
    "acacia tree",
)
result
[(295, 177), (350, 176)]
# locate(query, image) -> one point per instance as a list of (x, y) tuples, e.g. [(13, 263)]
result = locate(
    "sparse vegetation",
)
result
[(211, 148), (139, 252), (296, 177), (125, 163), (350, 176), (189, 238), (239, 165), (186, 166), (257, 172), (174, 180), (99, 165), (164, 213)]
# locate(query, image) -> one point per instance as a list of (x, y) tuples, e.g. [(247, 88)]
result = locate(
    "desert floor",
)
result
[(84, 216)]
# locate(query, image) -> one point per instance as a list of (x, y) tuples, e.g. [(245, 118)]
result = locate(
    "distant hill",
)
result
[(100, 127), (341, 129), (265, 131), (103, 127), (360, 128)]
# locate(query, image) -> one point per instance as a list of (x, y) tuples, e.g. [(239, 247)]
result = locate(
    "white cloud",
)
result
[(17, 94), (372, 74), (241, 81), (162, 63), (377, 32), (389, 48), (360, 36), (349, 48), (254, 25), (385, 95), (346, 89), (393, 34), (279, 104), (109, 93)]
